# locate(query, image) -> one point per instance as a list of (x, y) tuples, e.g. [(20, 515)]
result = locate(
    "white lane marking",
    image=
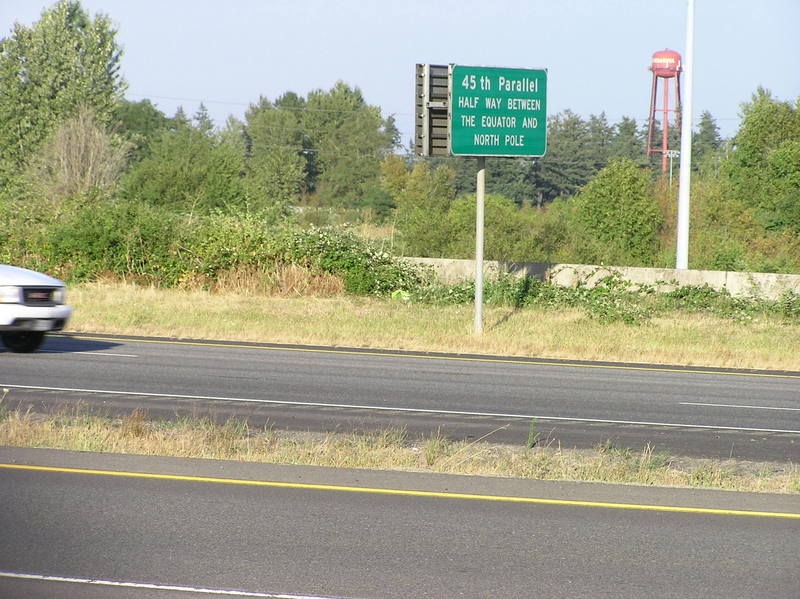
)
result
[(727, 405), (422, 355), (88, 353), (312, 404), (157, 587)]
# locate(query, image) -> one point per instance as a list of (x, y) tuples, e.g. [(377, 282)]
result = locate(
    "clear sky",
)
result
[(228, 53)]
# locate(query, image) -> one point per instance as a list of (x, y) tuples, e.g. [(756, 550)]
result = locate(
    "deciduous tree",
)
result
[(275, 165), (139, 123), (188, 172), (47, 71), (349, 139), (764, 164), (80, 159)]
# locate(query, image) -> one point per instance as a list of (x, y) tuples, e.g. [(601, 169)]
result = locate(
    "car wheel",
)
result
[(23, 342)]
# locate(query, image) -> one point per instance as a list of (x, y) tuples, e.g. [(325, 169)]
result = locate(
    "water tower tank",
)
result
[(666, 63)]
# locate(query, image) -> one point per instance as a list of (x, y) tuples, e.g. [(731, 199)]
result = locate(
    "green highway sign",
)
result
[(497, 111)]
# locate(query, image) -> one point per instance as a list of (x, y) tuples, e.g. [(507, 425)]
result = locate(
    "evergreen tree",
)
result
[(600, 138), (706, 142), (628, 141), (180, 120), (203, 122), (568, 164)]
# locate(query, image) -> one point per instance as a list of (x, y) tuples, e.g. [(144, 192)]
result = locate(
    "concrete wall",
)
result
[(763, 285)]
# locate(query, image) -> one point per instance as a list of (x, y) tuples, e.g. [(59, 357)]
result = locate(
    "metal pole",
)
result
[(684, 180), (665, 127), (480, 188)]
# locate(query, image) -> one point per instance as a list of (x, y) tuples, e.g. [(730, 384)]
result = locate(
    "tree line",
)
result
[(71, 143)]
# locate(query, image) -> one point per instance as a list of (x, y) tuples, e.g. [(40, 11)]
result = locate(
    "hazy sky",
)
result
[(227, 54)]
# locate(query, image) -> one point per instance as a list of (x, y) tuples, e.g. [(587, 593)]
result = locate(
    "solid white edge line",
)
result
[(410, 410), (429, 356), (157, 587), (727, 405)]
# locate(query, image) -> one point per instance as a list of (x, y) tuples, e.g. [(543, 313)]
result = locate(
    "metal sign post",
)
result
[(480, 188), (495, 112), (671, 154), (480, 111)]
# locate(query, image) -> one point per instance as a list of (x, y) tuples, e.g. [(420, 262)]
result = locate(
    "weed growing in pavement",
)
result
[(533, 435), (436, 447)]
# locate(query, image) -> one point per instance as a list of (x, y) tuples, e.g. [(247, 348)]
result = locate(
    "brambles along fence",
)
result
[(768, 286)]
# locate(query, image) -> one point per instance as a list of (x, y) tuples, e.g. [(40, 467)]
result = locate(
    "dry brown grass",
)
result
[(283, 315), (388, 450), (283, 280), (382, 233)]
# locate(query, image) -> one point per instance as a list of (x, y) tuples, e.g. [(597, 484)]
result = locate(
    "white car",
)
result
[(31, 304)]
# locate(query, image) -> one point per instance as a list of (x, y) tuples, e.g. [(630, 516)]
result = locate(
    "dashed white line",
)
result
[(156, 587), (727, 405), (408, 410)]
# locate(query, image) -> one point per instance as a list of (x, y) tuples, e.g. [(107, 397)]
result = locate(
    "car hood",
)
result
[(14, 275)]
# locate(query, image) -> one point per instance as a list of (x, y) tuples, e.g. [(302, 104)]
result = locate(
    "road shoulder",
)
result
[(425, 482)]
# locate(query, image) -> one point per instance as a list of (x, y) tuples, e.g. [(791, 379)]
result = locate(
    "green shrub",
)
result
[(219, 242), (188, 172), (124, 238), (364, 269), (619, 216), (788, 305), (613, 299), (693, 298)]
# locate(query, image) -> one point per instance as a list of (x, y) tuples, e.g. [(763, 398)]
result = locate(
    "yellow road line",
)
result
[(429, 357), (407, 493)]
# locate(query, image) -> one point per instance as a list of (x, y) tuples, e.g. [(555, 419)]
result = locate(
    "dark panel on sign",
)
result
[(431, 123)]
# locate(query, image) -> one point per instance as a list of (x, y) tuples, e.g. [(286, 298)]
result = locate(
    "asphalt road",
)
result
[(702, 412), (269, 531)]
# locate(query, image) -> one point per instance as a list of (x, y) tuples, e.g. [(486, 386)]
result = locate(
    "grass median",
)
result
[(391, 449), (348, 321), (683, 338)]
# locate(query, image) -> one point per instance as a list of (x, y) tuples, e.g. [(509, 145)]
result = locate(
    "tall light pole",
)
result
[(684, 181)]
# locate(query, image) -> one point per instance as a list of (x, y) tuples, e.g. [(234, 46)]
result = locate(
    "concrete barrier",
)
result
[(738, 284)]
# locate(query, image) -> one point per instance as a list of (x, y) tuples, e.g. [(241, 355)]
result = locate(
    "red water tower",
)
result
[(666, 65)]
